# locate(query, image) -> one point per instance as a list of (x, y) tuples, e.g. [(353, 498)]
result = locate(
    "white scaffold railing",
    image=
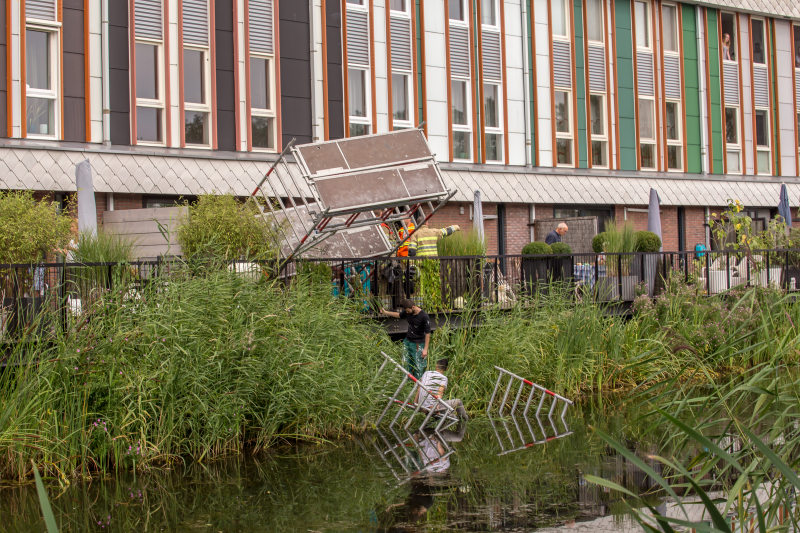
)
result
[(512, 379), (391, 370)]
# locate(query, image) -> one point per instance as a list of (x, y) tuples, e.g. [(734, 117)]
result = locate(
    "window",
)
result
[(759, 45), (262, 108), (358, 102), (488, 12), (647, 134), (669, 16), (642, 25), (762, 142), (197, 109), (356, 2), (672, 124), (397, 5), (563, 128), (400, 97), (41, 72), (729, 36), (598, 129), (493, 122), (560, 14), (594, 20), (460, 107), (797, 48), (149, 103), (732, 146), (457, 10)]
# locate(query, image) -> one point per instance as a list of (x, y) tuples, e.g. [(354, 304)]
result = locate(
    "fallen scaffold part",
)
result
[(529, 439), (512, 379)]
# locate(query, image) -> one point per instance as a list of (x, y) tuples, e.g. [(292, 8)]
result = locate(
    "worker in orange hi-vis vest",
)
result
[(403, 250)]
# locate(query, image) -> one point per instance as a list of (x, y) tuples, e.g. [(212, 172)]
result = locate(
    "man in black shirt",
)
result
[(556, 234), (418, 336)]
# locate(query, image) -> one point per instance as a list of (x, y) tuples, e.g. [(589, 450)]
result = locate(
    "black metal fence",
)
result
[(68, 290)]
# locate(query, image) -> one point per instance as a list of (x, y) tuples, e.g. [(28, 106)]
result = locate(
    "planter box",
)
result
[(608, 288), (774, 278), (718, 281), (20, 313), (538, 272)]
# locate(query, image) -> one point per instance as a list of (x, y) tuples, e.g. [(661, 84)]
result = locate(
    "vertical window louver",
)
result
[(260, 20), (459, 51), (731, 75), (491, 56), (672, 77), (148, 19), (40, 9), (401, 43), (357, 38), (761, 86), (597, 69), (195, 22), (562, 64), (644, 73)]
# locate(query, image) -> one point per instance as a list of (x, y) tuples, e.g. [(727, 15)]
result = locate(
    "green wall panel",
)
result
[(773, 78), (625, 94), (580, 85), (691, 90), (714, 88), (532, 104)]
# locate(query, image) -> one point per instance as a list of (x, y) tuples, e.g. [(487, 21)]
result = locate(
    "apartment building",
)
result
[(551, 108)]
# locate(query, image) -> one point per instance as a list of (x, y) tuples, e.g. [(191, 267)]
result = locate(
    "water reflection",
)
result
[(461, 478)]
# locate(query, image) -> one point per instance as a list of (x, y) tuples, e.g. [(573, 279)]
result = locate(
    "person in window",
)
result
[(726, 47), (556, 234)]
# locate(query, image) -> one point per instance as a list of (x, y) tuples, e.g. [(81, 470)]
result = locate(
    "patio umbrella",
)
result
[(783, 207), (87, 210), (477, 214), (654, 216)]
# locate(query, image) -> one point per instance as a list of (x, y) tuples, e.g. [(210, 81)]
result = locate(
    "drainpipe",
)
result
[(104, 52), (708, 228), (701, 74), (526, 81)]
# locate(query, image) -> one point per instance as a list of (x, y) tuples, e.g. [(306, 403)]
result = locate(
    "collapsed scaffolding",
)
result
[(343, 192)]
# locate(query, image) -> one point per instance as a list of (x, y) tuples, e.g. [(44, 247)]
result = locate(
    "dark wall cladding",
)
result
[(118, 72), (74, 71), (226, 92), (295, 65), (3, 72), (333, 27)]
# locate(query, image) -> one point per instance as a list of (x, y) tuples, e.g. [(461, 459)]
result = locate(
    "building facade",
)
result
[(551, 108)]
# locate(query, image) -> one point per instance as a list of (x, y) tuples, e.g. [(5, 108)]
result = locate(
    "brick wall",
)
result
[(100, 202), (517, 230), (127, 201), (695, 230), (450, 214)]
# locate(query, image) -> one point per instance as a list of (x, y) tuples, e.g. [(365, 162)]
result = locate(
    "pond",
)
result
[(491, 475)]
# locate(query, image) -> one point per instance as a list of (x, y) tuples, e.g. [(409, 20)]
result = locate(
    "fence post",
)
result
[(686, 267), (496, 284), (407, 281), (708, 273), (619, 275), (786, 270), (62, 295), (767, 268), (728, 268), (596, 275)]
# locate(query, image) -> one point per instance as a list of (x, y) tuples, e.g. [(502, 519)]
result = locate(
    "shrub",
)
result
[(537, 248), (598, 241), (461, 243), (31, 229), (104, 247), (647, 241), (560, 248), (217, 225), (620, 238)]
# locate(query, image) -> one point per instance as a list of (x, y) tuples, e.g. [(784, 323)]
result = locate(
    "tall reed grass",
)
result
[(462, 243)]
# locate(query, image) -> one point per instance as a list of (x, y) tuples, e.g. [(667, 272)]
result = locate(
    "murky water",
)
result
[(498, 476)]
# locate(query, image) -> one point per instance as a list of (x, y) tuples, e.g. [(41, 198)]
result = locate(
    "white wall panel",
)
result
[(544, 132), (318, 104), (611, 84), (174, 76), (381, 89), (747, 96), (436, 79), (16, 101), (241, 97), (515, 88), (786, 108), (95, 88)]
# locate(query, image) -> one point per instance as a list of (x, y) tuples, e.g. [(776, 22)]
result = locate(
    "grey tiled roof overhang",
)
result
[(776, 8), (51, 167)]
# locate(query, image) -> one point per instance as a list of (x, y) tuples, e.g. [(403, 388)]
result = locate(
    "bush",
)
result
[(537, 248), (619, 238), (597, 242), (647, 241), (560, 248), (31, 229), (461, 243), (217, 225)]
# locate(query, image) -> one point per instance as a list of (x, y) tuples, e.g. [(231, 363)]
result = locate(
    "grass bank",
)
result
[(206, 365)]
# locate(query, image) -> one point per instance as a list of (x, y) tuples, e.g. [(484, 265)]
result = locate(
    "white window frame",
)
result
[(733, 147), (496, 25), (201, 108), (764, 28), (269, 113), (674, 142), (677, 28), (403, 124), (54, 29), (367, 119), (467, 128), (159, 102), (649, 140), (567, 22), (597, 137), (760, 148), (495, 130), (464, 10), (649, 17), (406, 12), (570, 135), (602, 29)]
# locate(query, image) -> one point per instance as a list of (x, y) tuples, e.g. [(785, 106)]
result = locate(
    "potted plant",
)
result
[(562, 268), (535, 269), (646, 265), (619, 243)]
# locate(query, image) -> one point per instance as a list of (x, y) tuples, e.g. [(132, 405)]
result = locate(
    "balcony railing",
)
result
[(67, 290)]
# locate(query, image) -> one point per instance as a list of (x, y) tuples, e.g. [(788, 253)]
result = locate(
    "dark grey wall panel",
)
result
[(333, 28), (119, 86), (3, 72), (74, 73), (295, 64), (226, 92)]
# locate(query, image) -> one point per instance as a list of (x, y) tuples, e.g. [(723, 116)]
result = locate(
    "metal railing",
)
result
[(436, 284)]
